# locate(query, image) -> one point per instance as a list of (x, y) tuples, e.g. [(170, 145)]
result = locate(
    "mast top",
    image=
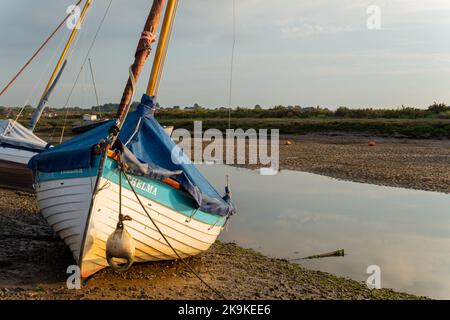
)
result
[(141, 56)]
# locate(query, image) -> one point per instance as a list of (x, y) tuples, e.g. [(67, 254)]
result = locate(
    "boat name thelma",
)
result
[(144, 186)]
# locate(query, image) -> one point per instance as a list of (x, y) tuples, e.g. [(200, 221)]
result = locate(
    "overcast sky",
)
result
[(291, 52)]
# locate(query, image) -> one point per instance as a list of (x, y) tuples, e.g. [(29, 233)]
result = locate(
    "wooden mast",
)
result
[(67, 47), (141, 56), (161, 52), (59, 68)]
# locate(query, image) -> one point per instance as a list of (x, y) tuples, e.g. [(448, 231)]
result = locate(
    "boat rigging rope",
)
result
[(230, 96), (41, 77), (82, 67), (38, 50), (122, 218), (165, 238), (72, 51), (233, 49), (95, 88)]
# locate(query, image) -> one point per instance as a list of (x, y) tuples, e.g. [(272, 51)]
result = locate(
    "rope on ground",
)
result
[(38, 51), (168, 243)]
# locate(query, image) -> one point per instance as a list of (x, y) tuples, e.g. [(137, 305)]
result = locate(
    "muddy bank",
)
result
[(33, 263), (415, 164)]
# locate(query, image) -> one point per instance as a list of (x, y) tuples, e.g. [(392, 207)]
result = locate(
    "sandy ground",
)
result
[(33, 261)]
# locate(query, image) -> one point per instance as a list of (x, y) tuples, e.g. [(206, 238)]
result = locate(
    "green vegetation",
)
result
[(433, 122), (407, 122), (439, 111), (401, 128)]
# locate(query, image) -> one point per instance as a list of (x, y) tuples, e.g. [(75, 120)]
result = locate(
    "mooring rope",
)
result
[(219, 294)]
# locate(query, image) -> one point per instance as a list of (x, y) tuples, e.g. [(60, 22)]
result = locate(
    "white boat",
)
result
[(171, 210), (84, 211), (19, 144), (80, 200)]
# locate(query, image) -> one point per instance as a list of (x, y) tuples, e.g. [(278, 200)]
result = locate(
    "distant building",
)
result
[(49, 115)]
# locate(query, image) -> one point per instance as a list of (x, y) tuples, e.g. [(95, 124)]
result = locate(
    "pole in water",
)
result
[(337, 253)]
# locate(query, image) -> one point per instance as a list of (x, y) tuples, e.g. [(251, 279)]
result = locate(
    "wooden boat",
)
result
[(19, 144), (143, 186)]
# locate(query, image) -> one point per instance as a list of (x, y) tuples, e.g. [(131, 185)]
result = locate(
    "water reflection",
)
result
[(296, 214)]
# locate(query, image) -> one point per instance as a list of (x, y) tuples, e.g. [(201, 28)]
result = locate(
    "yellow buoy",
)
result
[(120, 245)]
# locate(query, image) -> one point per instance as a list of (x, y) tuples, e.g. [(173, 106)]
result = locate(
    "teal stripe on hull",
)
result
[(70, 174), (163, 194), (151, 189)]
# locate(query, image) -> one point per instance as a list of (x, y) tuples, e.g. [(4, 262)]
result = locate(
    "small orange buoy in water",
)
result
[(372, 144)]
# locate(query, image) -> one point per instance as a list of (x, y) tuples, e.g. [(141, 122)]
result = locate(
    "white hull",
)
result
[(85, 228), (65, 205)]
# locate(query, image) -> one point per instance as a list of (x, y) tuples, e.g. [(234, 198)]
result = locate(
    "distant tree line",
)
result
[(436, 110)]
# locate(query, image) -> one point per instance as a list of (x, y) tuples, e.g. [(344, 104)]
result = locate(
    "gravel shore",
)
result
[(33, 264)]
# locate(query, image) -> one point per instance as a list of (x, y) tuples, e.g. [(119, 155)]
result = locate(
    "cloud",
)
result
[(281, 46)]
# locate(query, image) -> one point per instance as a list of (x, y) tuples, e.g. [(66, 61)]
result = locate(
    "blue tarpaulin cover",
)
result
[(148, 151)]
